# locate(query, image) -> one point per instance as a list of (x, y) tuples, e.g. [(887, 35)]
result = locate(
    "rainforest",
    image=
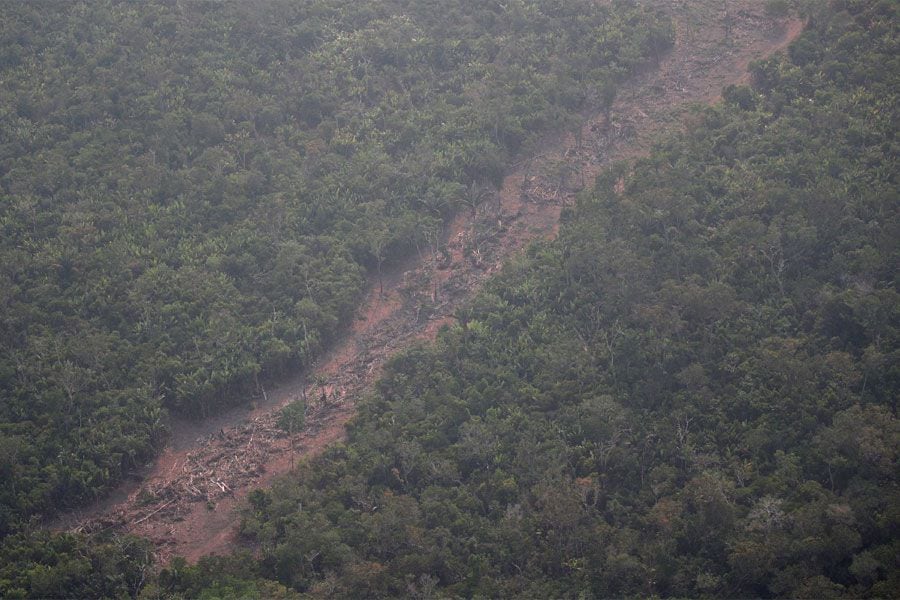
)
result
[(655, 340)]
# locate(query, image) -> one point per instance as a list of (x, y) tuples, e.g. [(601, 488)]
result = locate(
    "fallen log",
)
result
[(145, 517)]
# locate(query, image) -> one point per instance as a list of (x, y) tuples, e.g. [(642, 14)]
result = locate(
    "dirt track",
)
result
[(186, 503)]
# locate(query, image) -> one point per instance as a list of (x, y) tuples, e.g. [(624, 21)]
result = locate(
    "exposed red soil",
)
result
[(186, 503)]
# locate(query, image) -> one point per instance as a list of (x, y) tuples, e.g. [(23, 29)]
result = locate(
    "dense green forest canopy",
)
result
[(191, 193), (691, 393)]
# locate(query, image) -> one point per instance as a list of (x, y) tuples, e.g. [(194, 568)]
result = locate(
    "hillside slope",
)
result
[(241, 451), (691, 392), (192, 194)]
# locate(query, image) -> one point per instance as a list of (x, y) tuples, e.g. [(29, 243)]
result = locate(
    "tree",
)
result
[(291, 420)]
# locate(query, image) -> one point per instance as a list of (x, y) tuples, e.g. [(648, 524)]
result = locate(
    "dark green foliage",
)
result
[(192, 192), (691, 393), (292, 416), (216, 578), (43, 565), (778, 8)]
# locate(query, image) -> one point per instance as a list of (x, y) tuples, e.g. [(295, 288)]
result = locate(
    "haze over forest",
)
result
[(449, 298)]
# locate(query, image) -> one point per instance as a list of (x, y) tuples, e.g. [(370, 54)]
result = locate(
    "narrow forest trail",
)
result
[(186, 503)]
